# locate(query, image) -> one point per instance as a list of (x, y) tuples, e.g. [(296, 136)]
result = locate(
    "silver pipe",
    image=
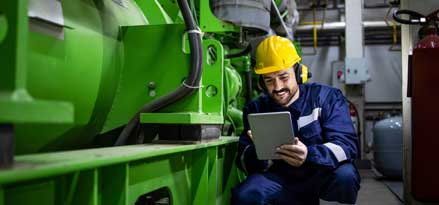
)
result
[(340, 26), (288, 33)]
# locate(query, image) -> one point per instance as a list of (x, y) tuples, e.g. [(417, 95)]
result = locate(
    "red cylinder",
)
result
[(431, 40), (425, 113)]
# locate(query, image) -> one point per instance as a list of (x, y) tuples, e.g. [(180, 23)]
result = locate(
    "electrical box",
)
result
[(356, 71), (338, 76)]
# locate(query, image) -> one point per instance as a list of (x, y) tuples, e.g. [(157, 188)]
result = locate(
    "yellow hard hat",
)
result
[(275, 53)]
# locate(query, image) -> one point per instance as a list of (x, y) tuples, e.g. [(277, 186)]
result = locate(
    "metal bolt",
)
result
[(151, 85), (152, 93)]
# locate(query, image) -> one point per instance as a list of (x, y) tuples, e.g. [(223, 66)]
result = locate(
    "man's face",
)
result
[(282, 86)]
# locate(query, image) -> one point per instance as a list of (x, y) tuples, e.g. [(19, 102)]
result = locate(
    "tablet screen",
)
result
[(270, 130)]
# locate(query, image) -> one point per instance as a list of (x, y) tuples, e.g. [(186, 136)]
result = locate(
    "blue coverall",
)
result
[(322, 122)]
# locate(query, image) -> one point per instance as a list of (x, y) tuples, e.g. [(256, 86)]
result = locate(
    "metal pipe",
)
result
[(276, 10), (342, 6), (340, 26)]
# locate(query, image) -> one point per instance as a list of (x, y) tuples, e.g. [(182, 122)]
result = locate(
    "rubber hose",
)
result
[(192, 81)]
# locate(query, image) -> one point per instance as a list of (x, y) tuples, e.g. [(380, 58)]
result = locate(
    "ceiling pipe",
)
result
[(340, 26)]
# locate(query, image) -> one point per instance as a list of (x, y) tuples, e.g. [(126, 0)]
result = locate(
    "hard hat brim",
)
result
[(270, 69)]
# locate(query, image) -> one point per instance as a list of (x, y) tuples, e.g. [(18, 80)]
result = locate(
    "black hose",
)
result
[(245, 51), (414, 17), (190, 84), (248, 86), (7, 142)]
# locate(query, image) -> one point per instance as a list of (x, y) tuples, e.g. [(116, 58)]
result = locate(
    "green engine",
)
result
[(74, 73), (87, 76)]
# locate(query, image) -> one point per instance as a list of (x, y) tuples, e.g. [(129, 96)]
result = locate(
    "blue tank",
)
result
[(387, 145)]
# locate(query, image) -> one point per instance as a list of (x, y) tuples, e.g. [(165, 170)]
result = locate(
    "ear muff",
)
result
[(302, 73), (302, 76)]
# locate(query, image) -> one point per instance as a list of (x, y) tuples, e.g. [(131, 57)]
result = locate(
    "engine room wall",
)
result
[(384, 67)]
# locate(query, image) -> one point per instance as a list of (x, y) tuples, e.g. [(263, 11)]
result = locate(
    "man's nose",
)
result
[(277, 85)]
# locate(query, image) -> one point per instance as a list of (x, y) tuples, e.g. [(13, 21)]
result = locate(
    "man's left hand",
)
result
[(294, 154)]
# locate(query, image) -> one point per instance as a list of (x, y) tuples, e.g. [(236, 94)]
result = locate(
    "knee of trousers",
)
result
[(247, 195), (343, 185), (346, 177)]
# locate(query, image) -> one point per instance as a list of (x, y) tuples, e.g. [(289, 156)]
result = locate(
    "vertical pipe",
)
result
[(276, 10), (248, 86), (355, 70), (354, 29), (406, 46)]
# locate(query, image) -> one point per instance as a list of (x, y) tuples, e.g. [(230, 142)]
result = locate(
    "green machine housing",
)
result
[(74, 73), (69, 83)]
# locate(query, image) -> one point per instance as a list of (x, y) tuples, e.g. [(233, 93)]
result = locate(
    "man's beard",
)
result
[(286, 100)]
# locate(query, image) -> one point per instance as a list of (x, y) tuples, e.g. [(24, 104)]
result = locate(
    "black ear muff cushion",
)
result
[(298, 71)]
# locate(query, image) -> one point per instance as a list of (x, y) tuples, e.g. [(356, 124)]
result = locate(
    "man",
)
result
[(319, 165)]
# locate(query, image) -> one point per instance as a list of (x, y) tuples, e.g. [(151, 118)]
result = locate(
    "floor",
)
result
[(375, 190)]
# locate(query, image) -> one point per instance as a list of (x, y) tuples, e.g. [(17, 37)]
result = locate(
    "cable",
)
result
[(191, 82)]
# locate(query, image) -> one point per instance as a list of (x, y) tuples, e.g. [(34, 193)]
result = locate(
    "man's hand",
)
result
[(294, 154)]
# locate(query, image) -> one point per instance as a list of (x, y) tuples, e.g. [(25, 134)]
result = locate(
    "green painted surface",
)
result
[(61, 91), (3, 26), (48, 164), (35, 111), (97, 75), (42, 192), (172, 10), (154, 67), (16, 105), (194, 174), (180, 118), (2, 196), (155, 12), (69, 84), (162, 63)]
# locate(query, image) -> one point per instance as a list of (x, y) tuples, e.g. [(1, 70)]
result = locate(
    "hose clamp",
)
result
[(183, 38), (190, 86)]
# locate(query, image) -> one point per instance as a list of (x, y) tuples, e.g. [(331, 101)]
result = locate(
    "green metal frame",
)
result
[(206, 105), (194, 174), (16, 104), (181, 118)]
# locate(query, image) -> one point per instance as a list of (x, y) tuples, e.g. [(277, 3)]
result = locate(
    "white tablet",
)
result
[(270, 130)]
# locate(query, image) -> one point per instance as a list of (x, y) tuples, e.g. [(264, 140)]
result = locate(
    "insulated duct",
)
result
[(245, 13)]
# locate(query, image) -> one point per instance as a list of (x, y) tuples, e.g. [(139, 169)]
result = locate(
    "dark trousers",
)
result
[(341, 185)]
